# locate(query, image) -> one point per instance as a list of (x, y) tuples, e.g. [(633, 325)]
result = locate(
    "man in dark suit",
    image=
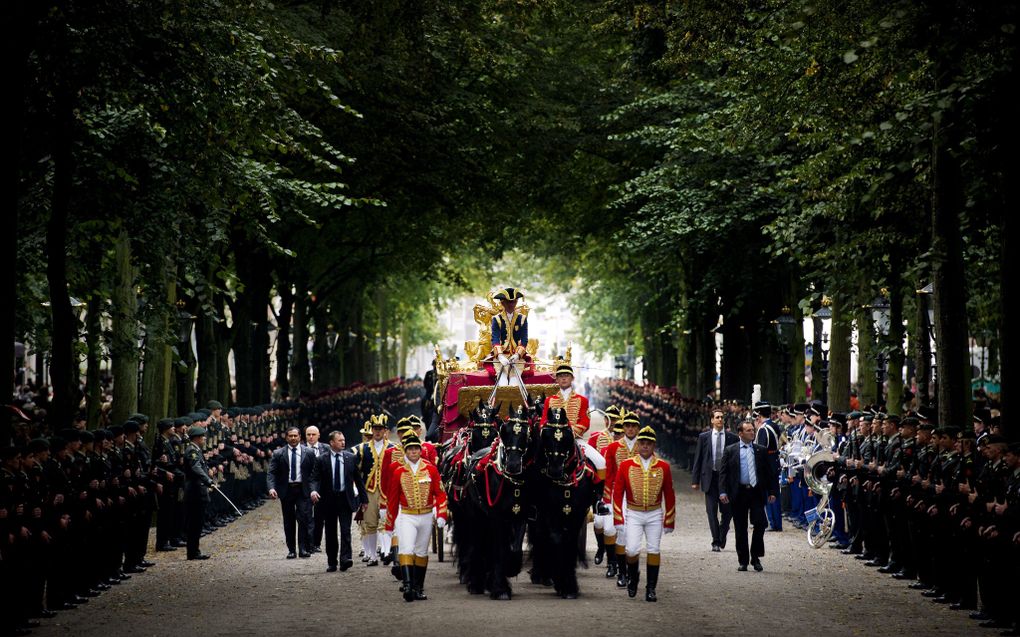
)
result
[(318, 448), (335, 478), (705, 475), (289, 480), (746, 482)]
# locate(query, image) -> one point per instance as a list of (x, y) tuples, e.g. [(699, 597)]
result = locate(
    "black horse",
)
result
[(497, 506), (563, 493), (463, 452)]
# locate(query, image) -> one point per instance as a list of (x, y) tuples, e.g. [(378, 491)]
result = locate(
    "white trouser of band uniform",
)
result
[(646, 524), (413, 533), (612, 531)]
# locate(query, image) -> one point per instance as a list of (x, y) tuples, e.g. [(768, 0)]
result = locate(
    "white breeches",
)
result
[(413, 533), (646, 524)]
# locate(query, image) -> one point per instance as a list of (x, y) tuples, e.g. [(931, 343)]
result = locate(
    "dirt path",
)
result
[(249, 588)]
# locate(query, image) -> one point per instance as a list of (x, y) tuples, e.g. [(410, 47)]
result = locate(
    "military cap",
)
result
[(366, 429), (57, 443), (868, 417), (139, 418), (7, 453), (1014, 448), (927, 426), (617, 427), (563, 368), (195, 416), (411, 440), (983, 416), (909, 421), (838, 417), (410, 422), (196, 431), (762, 408), (101, 435), (994, 439), (115, 430), (86, 436), (380, 420), (966, 434), (164, 424), (508, 294), (214, 405), (182, 421), (132, 427), (927, 413), (629, 418), (800, 409), (952, 432), (646, 433), (37, 444), (854, 415), (69, 435), (205, 413), (894, 419), (613, 411), (816, 408)]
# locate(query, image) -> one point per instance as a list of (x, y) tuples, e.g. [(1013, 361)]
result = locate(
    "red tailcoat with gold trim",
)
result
[(394, 457), (600, 440), (644, 490), (414, 491), (577, 411), (615, 454)]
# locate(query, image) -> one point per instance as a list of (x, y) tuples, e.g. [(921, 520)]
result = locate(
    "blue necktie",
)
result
[(293, 464)]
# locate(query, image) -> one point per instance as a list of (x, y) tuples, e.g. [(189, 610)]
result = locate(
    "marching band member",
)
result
[(644, 505), (616, 453), (414, 489)]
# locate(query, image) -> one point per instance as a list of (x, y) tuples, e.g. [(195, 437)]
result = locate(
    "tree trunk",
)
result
[(300, 377), (124, 332), (208, 359), (948, 272), (921, 343), (158, 361), (816, 360), (93, 384), (798, 383), (894, 367), (866, 351), (63, 361), (283, 339), (839, 357), (184, 376), (224, 337)]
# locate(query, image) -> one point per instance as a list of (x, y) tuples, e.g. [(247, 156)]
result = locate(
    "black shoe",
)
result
[(993, 623), (346, 564), (904, 575), (611, 568), (600, 554), (112, 581), (92, 592), (874, 563), (146, 564), (979, 616), (962, 606), (77, 599), (331, 568), (742, 567), (304, 554), (316, 549), (943, 599), (716, 549), (919, 586), (122, 576), (199, 556), (45, 614), (134, 569), (372, 563), (932, 592), (757, 565), (166, 547), (292, 555), (890, 568), (840, 547), (102, 586), (633, 576), (650, 595), (179, 544), (864, 557)]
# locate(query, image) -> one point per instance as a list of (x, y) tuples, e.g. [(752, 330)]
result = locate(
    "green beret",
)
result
[(139, 418), (214, 404), (196, 431)]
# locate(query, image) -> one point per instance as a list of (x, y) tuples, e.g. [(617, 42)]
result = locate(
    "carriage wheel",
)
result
[(819, 530)]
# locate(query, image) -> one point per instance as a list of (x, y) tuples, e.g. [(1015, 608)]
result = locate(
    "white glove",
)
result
[(440, 523), (667, 530)]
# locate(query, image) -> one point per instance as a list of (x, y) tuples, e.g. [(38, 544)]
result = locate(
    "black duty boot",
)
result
[(633, 577), (612, 565), (653, 579), (600, 551), (621, 570), (395, 569), (408, 573), (419, 582)]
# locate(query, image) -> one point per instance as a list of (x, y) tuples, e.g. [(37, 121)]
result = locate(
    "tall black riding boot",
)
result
[(600, 551), (419, 581), (621, 566), (633, 576), (408, 572), (653, 579)]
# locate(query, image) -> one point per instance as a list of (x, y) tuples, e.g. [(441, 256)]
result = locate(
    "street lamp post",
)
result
[(784, 325), (825, 313), (880, 317)]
